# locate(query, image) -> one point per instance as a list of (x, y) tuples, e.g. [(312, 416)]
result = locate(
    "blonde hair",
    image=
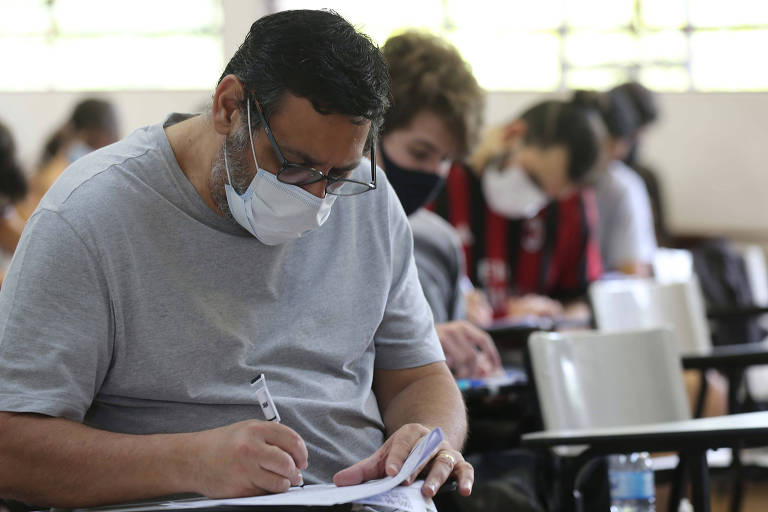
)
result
[(428, 73)]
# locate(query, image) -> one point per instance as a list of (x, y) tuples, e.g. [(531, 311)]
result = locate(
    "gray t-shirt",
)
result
[(132, 307), (440, 262), (626, 220)]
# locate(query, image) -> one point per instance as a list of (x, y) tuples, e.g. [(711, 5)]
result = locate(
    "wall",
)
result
[(711, 154), (710, 150)]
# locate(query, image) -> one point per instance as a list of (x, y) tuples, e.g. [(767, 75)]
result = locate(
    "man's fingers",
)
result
[(401, 444), (271, 482), (275, 460), (287, 440), (444, 464), (485, 344), (465, 476), (460, 352), (366, 469)]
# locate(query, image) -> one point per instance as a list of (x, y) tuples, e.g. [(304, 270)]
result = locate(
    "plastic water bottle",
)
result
[(631, 479)]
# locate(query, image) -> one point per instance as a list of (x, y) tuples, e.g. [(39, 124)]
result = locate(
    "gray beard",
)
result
[(238, 156)]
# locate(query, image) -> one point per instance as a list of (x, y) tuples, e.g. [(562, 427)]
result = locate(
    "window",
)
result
[(110, 44), (669, 45)]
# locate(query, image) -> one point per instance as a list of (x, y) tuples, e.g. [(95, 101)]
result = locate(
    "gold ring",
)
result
[(447, 456)]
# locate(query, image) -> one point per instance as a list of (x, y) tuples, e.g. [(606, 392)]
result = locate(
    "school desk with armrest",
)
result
[(609, 389)]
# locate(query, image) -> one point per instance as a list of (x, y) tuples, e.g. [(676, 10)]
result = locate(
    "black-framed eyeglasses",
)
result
[(295, 174)]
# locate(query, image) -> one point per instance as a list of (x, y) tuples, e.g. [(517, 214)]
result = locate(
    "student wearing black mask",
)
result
[(434, 119)]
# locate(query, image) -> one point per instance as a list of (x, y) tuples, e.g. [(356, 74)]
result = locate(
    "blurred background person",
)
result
[(647, 111), (13, 188), (92, 124), (434, 119), (529, 230), (627, 237)]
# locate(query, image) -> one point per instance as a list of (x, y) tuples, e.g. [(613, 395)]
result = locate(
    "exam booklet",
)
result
[(384, 491)]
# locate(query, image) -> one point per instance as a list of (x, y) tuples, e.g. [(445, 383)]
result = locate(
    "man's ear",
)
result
[(225, 111)]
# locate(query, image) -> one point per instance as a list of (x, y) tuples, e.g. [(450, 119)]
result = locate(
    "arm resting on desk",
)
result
[(413, 402), (57, 462)]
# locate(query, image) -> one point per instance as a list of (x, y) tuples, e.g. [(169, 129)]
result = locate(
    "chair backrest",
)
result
[(757, 272), (595, 379), (623, 304), (670, 265)]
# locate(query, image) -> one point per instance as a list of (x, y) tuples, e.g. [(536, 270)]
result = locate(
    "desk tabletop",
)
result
[(714, 432), (727, 356)]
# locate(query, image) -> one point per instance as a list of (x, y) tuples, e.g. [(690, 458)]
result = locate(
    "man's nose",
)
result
[(316, 189)]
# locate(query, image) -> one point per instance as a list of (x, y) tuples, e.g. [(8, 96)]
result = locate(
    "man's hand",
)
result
[(387, 461), (534, 305), (469, 351), (479, 310), (249, 458)]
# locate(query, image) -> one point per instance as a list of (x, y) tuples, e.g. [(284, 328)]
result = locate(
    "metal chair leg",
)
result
[(700, 480), (678, 483)]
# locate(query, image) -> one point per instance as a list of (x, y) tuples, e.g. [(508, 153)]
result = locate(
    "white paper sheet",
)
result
[(329, 494), (403, 499)]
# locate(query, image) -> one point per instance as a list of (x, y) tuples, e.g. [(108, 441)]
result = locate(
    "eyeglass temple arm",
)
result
[(373, 163), (270, 136)]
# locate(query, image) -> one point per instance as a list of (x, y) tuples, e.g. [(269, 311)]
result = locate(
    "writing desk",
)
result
[(736, 356), (691, 437), (512, 335)]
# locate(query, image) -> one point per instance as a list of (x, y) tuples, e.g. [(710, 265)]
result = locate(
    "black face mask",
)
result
[(415, 188)]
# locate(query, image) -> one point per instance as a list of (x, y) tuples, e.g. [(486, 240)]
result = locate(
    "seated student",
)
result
[(627, 238), (92, 125), (434, 119), (647, 112), (13, 187), (528, 231), (161, 274)]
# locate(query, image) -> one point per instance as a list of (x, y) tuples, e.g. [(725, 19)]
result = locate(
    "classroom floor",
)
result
[(755, 498)]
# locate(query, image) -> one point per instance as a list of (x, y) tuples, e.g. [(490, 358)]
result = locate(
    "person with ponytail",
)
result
[(528, 227), (627, 237)]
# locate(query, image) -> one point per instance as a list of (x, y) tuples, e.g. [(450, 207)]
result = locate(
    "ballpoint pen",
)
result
[(265, 399)]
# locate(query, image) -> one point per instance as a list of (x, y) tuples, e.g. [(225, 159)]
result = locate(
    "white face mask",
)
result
[(511, 193), (272, 211)]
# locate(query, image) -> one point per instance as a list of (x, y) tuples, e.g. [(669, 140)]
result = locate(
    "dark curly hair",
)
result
[(317, 55), (428, 73)]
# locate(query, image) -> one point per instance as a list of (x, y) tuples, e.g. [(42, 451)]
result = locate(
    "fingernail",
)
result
[(393, 468), (301, 480), (431, 486)]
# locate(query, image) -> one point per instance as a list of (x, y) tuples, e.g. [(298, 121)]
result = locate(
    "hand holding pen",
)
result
[(268, 405), (248, 458)]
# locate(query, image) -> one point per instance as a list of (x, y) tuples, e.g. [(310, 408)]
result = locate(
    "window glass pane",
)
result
[(601, 78), (530, 61), (665, 78), (586, 48), (529, 16), (23, 17), (135, 16), (719, 60), (599, 13), (381, 21), (134, 62), (663, 13), (720, 13), (29, 58), (665, 46)]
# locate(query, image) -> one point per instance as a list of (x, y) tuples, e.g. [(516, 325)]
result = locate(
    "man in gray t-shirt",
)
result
[(161, 274)]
